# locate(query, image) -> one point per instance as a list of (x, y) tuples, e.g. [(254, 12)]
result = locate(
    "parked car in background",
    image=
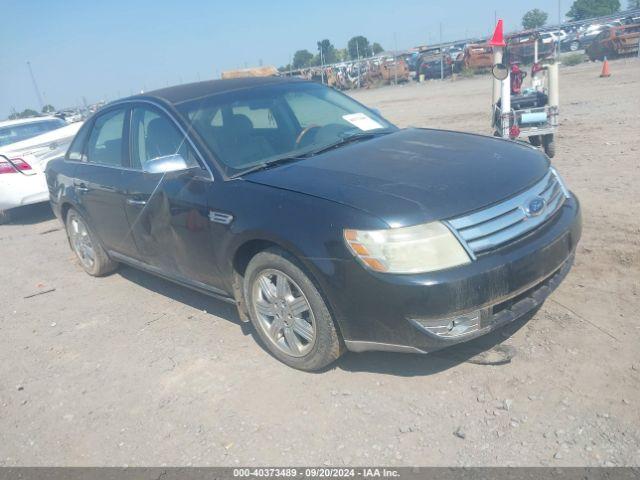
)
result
[(435, 66), (615, 42), (22, 163), (12, 131), (521, 47), (478, 56), (327, 226), (548, 37)]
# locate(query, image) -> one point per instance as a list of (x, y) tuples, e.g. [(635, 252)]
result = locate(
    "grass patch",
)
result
[(574, 59)]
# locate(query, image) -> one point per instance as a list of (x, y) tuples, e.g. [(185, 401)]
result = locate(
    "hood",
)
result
[(414, 175)]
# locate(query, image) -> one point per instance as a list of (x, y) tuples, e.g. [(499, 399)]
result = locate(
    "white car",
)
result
[(548, 37), (26, 146)]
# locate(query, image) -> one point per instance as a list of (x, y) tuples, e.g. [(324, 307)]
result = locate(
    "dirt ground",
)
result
[(133, 370)]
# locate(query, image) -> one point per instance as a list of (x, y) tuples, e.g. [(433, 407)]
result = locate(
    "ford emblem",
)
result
[(535, 206)]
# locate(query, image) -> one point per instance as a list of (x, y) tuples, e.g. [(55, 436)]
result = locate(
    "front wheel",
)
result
[(93, 258), (288, 312), (574, 46)]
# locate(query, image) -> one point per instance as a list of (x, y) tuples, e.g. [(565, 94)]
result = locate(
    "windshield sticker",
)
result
[(361, 121)]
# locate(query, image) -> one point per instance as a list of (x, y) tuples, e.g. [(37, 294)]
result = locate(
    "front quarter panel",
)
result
[(308, 227)]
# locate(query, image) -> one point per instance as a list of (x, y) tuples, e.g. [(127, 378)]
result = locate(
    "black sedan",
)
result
[(327, 226)]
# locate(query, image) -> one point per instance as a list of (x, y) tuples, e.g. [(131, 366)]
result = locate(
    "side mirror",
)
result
[(166, 164), (500, 71)]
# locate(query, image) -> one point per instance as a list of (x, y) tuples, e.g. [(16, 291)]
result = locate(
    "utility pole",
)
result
[(35, 86), (395, 58), (441, 55), (358, 55), (559, 14)]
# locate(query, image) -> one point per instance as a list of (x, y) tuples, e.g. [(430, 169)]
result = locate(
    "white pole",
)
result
[(505, 103), (535, 51), (554, 90), (497, 59)]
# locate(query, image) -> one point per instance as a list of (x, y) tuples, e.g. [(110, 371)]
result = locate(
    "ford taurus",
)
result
[(330, 228)]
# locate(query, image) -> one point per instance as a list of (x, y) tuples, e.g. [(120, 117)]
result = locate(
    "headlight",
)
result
[(417, 249)]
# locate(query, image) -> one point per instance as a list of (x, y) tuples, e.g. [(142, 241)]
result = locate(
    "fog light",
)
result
[(454, 326)]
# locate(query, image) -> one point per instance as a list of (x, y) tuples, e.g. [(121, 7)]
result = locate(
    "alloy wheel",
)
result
[(284, 313), (81, 242)]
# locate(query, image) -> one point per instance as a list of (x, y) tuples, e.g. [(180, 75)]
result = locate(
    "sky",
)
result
[(104, 50)]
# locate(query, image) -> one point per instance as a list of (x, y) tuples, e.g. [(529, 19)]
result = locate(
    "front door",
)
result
[(100, 179), (168, 212)]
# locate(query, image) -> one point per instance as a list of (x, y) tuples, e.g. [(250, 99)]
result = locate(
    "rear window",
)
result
[(16, 133)]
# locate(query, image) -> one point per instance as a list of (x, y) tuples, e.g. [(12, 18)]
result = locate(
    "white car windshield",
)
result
[(14, 133)]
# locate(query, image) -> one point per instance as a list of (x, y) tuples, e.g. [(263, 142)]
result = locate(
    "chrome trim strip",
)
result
[(462, 241), (499, 209), (503, 222)]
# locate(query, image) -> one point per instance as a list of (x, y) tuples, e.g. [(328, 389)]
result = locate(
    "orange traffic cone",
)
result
[(605, 68)]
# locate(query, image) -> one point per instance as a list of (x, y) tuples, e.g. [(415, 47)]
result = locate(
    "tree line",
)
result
[(580, 10), (30, 112), (357, 47)]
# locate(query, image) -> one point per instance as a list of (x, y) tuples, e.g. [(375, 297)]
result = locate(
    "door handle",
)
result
[(136, 203), (81, 188)]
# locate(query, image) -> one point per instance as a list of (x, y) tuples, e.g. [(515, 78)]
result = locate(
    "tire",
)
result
[(549, 145), (535, 140), (574, 46), (303, 336), (87, 246)]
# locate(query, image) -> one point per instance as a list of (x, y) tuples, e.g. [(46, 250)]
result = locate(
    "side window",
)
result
[(105, 141), (77, 145), (153, 135)]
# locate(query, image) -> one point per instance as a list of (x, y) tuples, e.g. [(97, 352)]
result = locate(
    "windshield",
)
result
[(15, 133), (245, 128)]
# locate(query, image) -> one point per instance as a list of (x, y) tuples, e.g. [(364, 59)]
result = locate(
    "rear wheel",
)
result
[(288, 312), (535, 140), (87, 247), (549, 145)]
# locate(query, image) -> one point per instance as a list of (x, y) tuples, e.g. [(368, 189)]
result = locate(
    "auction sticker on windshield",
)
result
[(362, 121)]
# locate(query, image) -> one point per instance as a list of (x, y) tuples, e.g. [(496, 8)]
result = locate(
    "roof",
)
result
[(21, 121), (192, 91)]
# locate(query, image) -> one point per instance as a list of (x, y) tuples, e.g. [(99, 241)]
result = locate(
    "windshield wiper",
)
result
[(269, 164), (345, 139), (348, 138)]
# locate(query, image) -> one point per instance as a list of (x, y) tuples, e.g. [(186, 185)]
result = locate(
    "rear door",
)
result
[(168, 212), (99, 180)]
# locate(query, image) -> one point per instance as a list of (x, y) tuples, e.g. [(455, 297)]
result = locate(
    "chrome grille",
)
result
[(501, 223)]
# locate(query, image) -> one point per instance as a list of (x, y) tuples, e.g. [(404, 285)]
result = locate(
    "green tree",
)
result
[(535, 18), (582, 9), (48, 109), (26, 113), (358, 47), (377, 48), (342, 54), (302, 59), (328, 51)]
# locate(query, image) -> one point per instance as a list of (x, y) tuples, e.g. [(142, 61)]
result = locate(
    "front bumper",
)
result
[(388, 312)]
